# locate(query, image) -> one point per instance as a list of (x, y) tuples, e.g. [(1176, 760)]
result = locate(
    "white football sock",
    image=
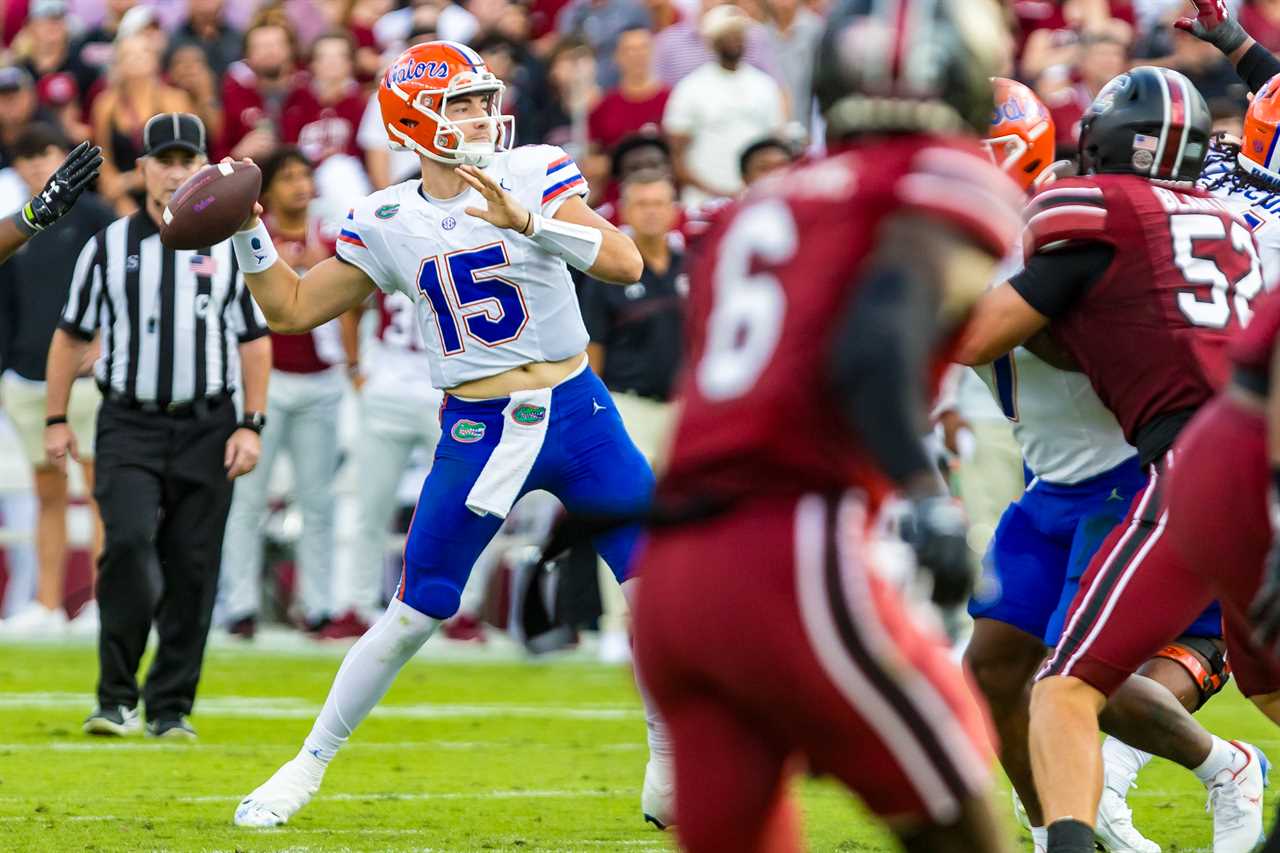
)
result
[(660, 749), (1222, 756), (1121, 764), (1040, 837), (365, 676)]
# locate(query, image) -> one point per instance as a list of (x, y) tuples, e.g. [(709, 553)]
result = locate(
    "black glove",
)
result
[(937, 529), (1213, 23), (1264, 613), (62, 190)]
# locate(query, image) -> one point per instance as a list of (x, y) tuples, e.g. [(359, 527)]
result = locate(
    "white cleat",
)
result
[(279, 798), (1115, 830), (1235, 798), (658, 797)]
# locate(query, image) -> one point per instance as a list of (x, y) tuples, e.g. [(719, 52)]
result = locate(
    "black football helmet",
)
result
[(910, 65), (1150, 122)]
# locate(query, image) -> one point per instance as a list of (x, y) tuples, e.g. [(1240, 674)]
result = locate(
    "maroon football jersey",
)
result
[(1152, 333), (298, 353), (773, 278), (1252, 348)]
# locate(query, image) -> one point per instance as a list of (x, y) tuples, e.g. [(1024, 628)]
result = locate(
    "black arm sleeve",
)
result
[(878, 365), (1257, 66), (1052, 281)]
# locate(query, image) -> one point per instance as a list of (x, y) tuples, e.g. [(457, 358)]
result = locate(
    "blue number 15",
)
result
[(467, 295)]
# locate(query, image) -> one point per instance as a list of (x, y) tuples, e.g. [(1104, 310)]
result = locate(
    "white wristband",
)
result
[(254, 250), (576, 245)]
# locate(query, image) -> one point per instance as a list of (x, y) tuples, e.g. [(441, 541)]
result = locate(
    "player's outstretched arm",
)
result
[(1001, 320), (64, 186), (294, 304), (576, 234), (1214, 23)]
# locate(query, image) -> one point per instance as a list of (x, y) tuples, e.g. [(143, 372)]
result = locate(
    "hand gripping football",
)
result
[(211, 205)]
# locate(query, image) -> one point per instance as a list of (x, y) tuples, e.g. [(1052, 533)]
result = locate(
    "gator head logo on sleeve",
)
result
[(467, 431), (528, 415), (387, 211)]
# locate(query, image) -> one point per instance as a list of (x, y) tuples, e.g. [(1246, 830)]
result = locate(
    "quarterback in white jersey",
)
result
[(480, 245), (1082, 476)]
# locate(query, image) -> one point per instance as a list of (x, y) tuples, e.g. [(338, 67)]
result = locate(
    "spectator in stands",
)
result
[(662, 13), (452, 22), (636, 331), (794, 31), (1261, 19), (599, 23), (206, 26), (45, 46), (502, 18), (1103, 53), (254, 89), (28, 317), (638, 101), (96, 48), (323, 108), (682, 48), (562, 117), (763, 157), (306, 388), (715, 112), (133, 95), (358, 19), (639, 152), (59, 94), (187, 68), (18, 108)]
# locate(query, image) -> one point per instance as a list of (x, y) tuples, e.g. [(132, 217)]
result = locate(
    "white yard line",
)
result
[(285, 708), (376, 796)]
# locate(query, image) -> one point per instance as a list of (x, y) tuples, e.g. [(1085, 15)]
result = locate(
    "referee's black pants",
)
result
[(164, 497)]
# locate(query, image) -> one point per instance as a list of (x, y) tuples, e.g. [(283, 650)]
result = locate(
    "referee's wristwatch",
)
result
[(254, 421)]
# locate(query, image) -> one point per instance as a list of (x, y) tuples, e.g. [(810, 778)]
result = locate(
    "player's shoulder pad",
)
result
[(960, 185), (1066, 210), (532, 161)]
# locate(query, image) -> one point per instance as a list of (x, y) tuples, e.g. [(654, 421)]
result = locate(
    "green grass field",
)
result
[(467, 753)]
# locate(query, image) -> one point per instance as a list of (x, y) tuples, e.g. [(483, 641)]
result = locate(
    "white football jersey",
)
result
[(488, 299), (1066, 434), (1257, 206)]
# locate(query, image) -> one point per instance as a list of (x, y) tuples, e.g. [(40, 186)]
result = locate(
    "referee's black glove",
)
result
[(60, 193), (937, 529)]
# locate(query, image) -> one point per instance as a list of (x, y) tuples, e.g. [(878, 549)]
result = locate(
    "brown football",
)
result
[(210, 205)]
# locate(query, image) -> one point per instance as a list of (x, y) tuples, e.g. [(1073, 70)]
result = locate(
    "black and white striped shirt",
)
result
[(170, 320)]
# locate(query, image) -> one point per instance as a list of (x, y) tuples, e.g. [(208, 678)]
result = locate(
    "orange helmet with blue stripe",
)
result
[(1260, 148), (415, 91), (1021, 138)]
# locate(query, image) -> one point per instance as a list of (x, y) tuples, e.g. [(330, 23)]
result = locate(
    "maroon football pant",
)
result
[(1197, 532), (768, 643), (1219, 526)]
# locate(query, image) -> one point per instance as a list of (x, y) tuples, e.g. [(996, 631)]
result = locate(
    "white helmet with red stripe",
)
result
[(910, 65), (1150, 122)]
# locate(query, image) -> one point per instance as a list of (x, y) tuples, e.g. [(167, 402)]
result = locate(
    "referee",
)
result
[(175, 328)]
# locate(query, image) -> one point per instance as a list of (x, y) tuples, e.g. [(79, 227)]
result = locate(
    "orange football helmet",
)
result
[(1021, 139), (414, 95), (1258, 154)]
